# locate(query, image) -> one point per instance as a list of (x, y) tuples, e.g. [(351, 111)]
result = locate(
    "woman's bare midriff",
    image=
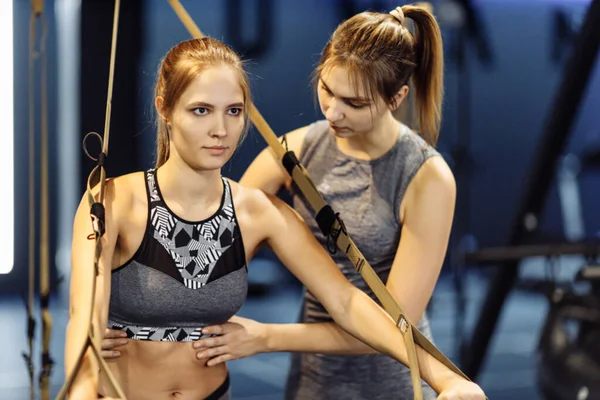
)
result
[(163, 371)]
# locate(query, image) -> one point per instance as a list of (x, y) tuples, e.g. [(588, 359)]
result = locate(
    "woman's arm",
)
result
[(85, 385), (351, 308), (427, 213), (266, 173)]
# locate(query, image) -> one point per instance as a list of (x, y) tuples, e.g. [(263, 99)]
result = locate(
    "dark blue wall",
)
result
[(509, 100)]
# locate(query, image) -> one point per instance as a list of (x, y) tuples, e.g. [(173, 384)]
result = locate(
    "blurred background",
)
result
[(516, 306)]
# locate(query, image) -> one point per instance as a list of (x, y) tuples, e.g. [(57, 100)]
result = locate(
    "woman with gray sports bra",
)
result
[(177, 242)]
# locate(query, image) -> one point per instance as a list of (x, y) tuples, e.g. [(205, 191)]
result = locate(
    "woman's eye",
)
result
[(200, 111), (235, 111), (357, 106)]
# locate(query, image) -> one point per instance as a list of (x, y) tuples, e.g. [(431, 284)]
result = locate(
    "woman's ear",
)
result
[(159, 103), (399, 98)]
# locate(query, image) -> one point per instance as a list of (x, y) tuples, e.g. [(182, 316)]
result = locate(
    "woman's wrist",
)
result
[(269, 333), (446, 379), (83, 391)]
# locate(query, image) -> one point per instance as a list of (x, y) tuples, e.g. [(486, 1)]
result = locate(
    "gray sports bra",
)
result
[(184, 276)]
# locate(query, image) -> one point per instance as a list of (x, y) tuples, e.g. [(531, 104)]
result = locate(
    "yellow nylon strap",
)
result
[(44, 230), (37, 15), (31, 251), (98, 227)]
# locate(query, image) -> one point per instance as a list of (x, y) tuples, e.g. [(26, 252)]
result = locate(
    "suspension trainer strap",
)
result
[(35, 15), (98, 176)]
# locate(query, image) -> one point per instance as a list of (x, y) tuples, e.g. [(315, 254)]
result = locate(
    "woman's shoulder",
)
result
[(259, 215), (249, 200), (253, 206), (129, 184), (120, 195), (430, 167), (433, 180), (131, 179), (435, 172), (121, 192)]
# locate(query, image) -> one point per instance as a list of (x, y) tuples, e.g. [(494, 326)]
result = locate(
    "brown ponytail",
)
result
[(428, 76)]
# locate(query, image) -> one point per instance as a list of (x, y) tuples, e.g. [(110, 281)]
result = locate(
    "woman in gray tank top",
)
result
[(395, 194)]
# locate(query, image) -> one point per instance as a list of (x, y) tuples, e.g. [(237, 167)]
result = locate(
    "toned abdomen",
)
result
[(163, 371)]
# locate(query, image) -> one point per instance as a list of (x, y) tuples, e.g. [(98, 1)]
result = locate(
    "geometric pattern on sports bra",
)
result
[(195, 248), (160, 334)]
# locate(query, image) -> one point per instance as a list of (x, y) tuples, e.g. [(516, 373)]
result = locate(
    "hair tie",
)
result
[(398, 14)]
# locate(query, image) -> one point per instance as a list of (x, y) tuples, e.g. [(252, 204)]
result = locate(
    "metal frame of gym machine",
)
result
[(558, 126)]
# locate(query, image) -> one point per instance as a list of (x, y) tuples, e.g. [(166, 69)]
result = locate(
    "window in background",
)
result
[(7, 139)]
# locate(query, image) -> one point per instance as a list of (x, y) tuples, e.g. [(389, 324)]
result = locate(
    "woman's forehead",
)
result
[(341, 81), (219, 84)]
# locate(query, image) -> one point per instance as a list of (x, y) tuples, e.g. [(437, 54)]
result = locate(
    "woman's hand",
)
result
[(237, 338), (111, 341), (461, 389)]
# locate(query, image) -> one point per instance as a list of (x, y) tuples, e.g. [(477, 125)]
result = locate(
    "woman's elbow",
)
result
[(80, 318), (346, 297)]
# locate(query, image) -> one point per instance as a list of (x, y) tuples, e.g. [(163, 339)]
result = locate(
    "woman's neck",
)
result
[(189, 187), (373, 144)]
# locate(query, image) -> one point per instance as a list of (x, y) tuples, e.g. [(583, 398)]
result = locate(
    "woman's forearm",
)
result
[(359, 320), (89, 293), (350, 307), (85, 384), (321, 337)]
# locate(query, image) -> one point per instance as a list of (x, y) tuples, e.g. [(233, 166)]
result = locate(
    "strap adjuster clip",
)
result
[(403, 324)]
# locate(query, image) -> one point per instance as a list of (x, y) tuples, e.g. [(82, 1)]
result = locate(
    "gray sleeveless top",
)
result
[(367, 194)]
